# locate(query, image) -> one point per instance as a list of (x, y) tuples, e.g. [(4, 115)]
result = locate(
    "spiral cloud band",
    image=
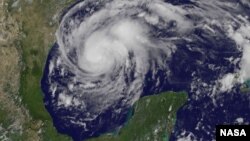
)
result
[(109, 53)]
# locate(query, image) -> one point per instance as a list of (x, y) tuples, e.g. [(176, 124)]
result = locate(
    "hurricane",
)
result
[(109, 53)]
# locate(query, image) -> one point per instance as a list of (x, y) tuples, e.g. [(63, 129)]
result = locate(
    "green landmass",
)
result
[(245, 89), (35, 24), (38, 35), (153, 120)]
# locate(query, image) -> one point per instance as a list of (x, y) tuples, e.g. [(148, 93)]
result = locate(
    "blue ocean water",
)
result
[(198, 116)]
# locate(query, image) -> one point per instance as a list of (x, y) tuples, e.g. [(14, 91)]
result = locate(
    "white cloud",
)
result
[(65, 100), (227, 82), (242, 37)]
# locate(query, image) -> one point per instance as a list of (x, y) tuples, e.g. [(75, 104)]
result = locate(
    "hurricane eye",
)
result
[(110, 53)]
